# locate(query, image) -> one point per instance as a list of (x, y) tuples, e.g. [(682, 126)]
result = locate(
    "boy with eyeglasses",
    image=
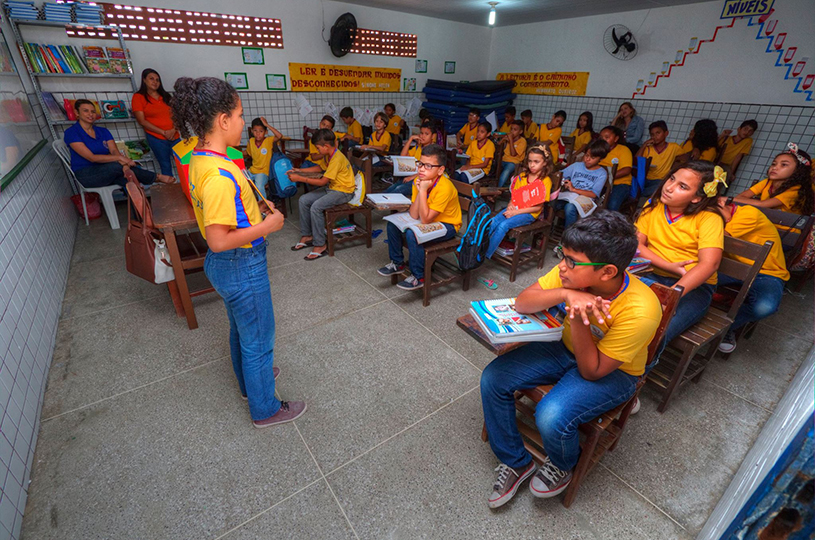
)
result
[(434, 199), (611, 317)]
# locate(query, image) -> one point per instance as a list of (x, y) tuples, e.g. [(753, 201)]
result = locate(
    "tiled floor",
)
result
[(144, 434)]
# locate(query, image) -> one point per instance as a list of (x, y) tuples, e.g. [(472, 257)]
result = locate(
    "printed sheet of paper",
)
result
[(302, 104)]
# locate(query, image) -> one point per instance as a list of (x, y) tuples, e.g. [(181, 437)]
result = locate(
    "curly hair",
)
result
[(197, 102), (703, 169), (548, 164), (802, 177), (705, 135)]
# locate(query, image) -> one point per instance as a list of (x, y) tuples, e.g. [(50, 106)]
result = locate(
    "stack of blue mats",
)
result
[(451, 102)]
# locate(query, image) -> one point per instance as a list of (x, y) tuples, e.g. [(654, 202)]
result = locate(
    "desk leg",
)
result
[(180, 278), (176, 298)]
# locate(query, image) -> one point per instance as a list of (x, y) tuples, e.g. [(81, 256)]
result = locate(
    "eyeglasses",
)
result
[(422, 165), (571, 263)]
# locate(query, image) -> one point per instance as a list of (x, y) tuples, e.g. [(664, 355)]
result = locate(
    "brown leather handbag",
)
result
[(146, 254)]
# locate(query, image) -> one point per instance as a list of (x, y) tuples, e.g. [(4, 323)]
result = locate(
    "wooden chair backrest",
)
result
[(568, 143), (746, 273), (605, 195), (791, 240), (497, 160), (548, 213), (465, 193), (669, 298), (719, 153)]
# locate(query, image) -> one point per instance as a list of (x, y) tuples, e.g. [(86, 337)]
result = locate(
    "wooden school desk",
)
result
[(173, 215)]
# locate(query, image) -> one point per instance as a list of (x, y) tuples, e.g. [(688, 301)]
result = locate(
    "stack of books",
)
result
[(20, 9), (57, 12), (344, 229), (54, 58), (117, 59), (88, 13), (502, 324), (638, 264), (507, 248)]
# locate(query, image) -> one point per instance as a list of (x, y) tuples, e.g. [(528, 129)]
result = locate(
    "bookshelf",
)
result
[(36, 78)]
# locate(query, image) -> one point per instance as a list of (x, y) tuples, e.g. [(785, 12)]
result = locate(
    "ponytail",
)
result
[(197, 102)]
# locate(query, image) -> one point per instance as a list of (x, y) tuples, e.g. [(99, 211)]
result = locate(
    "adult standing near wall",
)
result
[(151, 105), (632, 125)]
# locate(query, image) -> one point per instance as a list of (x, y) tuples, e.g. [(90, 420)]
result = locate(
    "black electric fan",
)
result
[(619, 42), (343, 34)]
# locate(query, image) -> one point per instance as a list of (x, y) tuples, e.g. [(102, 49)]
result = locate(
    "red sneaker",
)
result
[(289, 410)]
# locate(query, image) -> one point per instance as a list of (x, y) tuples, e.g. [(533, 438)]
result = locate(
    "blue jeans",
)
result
[(619, 194), (572, 401), (690, 309), (107, 174), (260, 179), (571, 212), (163, 150), (501, 225), (762, 299), (507, 170), (650, 187), (415, 249), (241, 277), (405, 188)]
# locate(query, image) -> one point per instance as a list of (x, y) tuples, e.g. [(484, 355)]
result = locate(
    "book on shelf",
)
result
[(424, 231), (95, 59), (344, 229), (114, 110), (502, 324), (54, 110), (117, 58)]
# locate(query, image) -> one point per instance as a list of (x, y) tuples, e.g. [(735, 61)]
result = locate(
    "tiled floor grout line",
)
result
[(711, 383), (649, 501), (44, 420), (403, 430), (97, 260), (113, 307)]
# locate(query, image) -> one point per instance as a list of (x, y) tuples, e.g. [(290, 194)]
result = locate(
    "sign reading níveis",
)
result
[(329, 78), (549, 83), (746, 8)]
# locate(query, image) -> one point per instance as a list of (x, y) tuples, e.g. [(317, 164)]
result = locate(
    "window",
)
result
[(183, 26), (384, 43)]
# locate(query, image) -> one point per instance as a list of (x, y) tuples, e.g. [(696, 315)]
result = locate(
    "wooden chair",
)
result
[(334, 214), (446, 272), (605, 195), (568, 142), (794, 230), (365, 164), (536, 234), (682, 361), (629, 208), (602, 433)]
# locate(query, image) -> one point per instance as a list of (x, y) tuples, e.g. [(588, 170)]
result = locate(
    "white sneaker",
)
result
[(549, 480), (636, 408), (728, 344)]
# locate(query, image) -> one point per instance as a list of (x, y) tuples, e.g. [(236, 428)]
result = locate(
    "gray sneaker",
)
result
[(390, 269), (728, 344), (289, 410), (507, 483), (410, 283), (549, 480)]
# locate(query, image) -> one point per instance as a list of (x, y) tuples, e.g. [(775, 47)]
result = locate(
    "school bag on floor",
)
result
[(476, 238), (279, 166)]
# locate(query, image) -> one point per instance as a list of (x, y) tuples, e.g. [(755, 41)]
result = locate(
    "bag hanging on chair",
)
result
[(146, 253)]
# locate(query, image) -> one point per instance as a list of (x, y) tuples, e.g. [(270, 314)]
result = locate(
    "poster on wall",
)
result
[(746, 8), (252, 55), (331, 78), (239, 81), (275, 81), (409, 84), (421, 66), (449, 67), (548, 83)]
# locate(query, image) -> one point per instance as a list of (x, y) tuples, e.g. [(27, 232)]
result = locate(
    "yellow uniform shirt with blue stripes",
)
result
[(788, 198), (340, 173), (443, 198), (323, 163), (635, 315), (623, 156), (531, 131), (416, 152), (750, 224), (221, 194), (705, 155), (480, 154), (261, 155), (520, 151), (546, 134), (733, 149), (469, 133), (394, 124), (384, 140), (355, 130), (661, 162), (580, 140)]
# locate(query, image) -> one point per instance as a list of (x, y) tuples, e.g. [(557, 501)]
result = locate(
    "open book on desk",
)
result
[(404, 165), (502, 324), (424, 231), (585, 206)]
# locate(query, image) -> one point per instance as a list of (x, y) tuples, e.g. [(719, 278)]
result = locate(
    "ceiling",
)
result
[(511, 12)]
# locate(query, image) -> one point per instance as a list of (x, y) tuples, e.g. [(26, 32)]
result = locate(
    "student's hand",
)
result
[(123, 161), (726, 132), (273, 222), (581, 305), (264, 122), (649, 142), (264, 208), (678, 268), (567, 184), (292, 171), (423, 185)]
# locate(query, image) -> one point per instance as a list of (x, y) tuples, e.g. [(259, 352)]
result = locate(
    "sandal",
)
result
[(301, 245), (488, 283), (319, 254)]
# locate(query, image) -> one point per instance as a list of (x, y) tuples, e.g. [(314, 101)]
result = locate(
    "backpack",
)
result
[(476, 238), (279, 165)]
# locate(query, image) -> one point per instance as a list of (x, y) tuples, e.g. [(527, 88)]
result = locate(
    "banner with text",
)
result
[(328, 78), (559, 83)]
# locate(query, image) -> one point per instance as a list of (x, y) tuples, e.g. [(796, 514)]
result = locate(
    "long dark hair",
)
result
[(705, 135), (165, 95), (548, 160), (802, 177), (198, 101), (589, 121), (703, 169)]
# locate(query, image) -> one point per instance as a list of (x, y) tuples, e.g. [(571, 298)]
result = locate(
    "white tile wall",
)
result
[(37, 230)]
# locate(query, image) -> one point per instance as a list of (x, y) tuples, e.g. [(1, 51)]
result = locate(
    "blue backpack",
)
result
[(476, 238), (279, 165)]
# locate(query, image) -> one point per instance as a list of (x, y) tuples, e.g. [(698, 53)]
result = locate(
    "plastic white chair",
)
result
[(105, 193)]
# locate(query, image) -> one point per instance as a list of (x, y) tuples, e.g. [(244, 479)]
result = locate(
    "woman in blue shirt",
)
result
[(95, 160), (633, 126)]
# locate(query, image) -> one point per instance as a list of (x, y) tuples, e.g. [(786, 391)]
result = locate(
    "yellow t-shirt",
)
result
[(416, 152), (546, 134), (504, 127), (221, 195), (521, 180), (261, 155), (750, 224), (531, 131), (635, 316), (394, 124), (788, 198), (379, 141), (734, 149), (661, 162), (681, 238), (706, 155), (580, 140), (443, 198), (355, 130), (520, 150), (340, 172), (323, 163), (468, 133), (478, 155), (623, 156)]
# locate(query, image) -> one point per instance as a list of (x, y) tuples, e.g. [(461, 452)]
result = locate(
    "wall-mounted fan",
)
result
[(343, 34), (619, 42)]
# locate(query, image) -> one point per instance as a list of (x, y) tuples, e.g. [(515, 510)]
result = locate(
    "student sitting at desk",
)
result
[(620, 155), (584, 132), (404, 185), (260, 149), (549, 134), (336, 187), (530, 127), (354, 133), (612, 318), (469, 131), (702, 142), (788, 185), (509, 117), (586, 178), (380, 139), (662, 154), (315, 158), (481, 152), (737, 146), (514, 151), (434, 199), (395, 123)]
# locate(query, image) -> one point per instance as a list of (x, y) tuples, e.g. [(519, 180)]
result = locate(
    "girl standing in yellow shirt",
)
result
[(230, 220), (788, 185)]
